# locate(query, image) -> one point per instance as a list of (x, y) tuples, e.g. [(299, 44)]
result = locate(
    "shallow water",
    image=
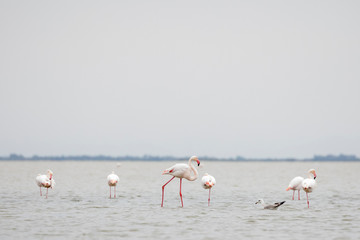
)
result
[(79, 206)]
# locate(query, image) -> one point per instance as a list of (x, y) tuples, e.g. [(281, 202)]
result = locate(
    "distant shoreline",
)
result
[(316, 158)]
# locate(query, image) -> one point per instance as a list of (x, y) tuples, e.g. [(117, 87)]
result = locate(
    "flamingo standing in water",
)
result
[(309, 184), (113, 179), (181, 170), (208, 182), (45, 181), (295, 185)]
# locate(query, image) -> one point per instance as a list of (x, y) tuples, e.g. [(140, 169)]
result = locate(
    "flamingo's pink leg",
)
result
[(293, 194), (209, 197), (182, 204), (47, 189), (163, 187), (307, 200), (110, 191), (114, 191), (40, 192), (298, 194)]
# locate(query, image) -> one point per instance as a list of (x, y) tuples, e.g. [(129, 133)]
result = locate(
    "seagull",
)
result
[(270, 206)]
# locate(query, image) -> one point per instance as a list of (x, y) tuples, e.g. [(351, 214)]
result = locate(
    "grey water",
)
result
[(79, 207)]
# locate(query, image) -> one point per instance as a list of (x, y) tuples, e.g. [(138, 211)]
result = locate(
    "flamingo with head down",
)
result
[(181, 170), (47, 181), (113, 179), (208, 182)]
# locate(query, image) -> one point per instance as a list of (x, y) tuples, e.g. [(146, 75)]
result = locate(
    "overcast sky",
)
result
[(216, 78)]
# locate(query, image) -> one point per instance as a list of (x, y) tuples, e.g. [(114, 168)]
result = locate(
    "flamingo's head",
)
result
[(195, 158), (50, 173), (209, 183), (312, 171)]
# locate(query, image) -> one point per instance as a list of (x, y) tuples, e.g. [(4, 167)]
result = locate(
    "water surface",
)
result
[(79, 206)]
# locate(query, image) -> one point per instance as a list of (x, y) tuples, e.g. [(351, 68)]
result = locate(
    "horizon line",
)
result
[(148, 157)]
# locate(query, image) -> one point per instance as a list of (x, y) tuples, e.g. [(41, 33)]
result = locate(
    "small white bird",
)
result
[(181, 170), (113, 179), (47, 181), (270, 206), (309, 184), (208, 182)]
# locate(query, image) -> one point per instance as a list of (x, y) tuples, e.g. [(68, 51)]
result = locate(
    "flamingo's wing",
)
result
[(42, 180), (113, 179), (178, 170), (205, 179), (295, 183)]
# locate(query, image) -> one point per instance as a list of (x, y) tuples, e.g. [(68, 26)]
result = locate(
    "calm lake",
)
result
[(79, 206)]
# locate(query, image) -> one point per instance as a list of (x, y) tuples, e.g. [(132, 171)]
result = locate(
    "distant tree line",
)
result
[(19, 157)]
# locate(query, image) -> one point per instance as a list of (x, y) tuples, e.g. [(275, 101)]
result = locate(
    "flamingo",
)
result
[(295, 185), (181, 170), (208, 182), (309, 184), (46, 181), (113, 179)]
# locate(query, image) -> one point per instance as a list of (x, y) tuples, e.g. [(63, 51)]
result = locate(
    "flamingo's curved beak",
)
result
[(198, 162), (314, 175)]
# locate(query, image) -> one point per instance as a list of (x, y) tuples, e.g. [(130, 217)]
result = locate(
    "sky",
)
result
[(217, 78)]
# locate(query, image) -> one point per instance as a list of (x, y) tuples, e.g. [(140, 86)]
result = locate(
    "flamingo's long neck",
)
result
[(195, 176), (311, 175)]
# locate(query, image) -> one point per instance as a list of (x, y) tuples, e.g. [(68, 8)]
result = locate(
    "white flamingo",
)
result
[(181, 170), (309, 184), (295, 185), (47, 181), (208, 182), (113, 179)]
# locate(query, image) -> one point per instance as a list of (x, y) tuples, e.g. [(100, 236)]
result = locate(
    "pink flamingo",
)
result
[(113, 179), (181, 170), (45, 181), (295, 185), (208, 182)]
